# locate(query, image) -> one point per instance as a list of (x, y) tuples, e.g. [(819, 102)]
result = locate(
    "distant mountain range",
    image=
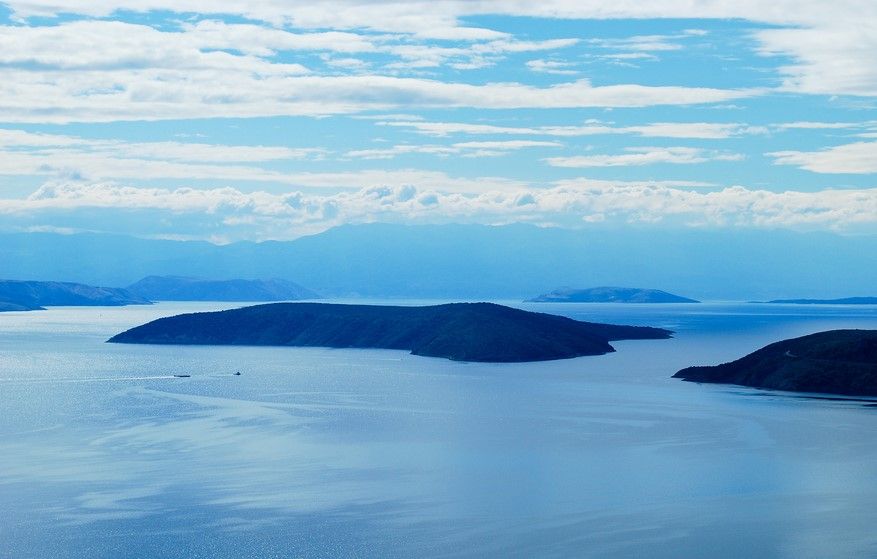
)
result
[(176, 288), (471, 261), (609, 295), (34, 295), (844, 301), (460, 331)]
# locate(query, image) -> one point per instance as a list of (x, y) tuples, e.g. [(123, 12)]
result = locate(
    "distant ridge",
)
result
[(510, 261), (482, 332), (179, 288), (843, 301), (18, 295), (609, 295)]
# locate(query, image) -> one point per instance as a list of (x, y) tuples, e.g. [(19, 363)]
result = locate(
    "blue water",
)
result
[(373, 453)]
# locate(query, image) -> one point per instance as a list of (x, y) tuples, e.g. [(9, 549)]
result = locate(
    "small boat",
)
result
[(237, 373), (182, 376)]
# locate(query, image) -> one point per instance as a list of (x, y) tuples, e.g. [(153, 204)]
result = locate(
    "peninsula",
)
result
[(833, 362), (609, 295), (843, 301), (482, 332), (16, 295), (179, 288)]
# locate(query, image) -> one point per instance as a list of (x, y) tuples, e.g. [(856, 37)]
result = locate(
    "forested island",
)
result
[(483, 332), (833, 362), (609, 295)]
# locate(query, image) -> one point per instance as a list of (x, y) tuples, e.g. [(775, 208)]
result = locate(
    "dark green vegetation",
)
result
[(177, 288), (460, 331), (844, 301), (610, 295), (834, 362), (34, 295)]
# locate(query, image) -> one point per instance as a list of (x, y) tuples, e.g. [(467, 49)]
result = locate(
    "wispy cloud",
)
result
[(698, 130), (858, 157), (466, 149), (830, 50), (648, 43), (26, 153), (552, 67), (103, 71), (636, 156), (815, 125)]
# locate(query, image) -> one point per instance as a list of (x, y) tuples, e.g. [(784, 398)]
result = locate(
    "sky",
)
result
[(230, 121)]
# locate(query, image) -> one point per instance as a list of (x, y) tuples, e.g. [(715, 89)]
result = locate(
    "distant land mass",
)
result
[(6, 306), (609, 295), (178, 288), (833, 362), (482, 332), (515, 261), (34, 295), (844, 301)]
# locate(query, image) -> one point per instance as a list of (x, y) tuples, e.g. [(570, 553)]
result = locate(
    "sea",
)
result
[(128, 451)]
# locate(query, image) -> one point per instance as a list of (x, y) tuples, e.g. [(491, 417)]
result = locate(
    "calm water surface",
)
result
[(373, 453)]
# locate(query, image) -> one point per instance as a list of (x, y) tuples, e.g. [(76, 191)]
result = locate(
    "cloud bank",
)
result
[(230, 214)]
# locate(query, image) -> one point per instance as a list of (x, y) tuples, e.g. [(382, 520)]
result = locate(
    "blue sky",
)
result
[(227, 121)]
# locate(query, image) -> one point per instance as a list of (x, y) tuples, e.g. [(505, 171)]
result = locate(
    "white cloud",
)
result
[(551, 67), (701, 130), (834, 57), (636, 156), (104, 160), (472, 56), (813, 125), (152, 94), (831, 50), (642, 43), (102, 71), (466, 149), (265, 215), (262, 41), (25, 153), (42, 144), (858, 157), (697, 130)]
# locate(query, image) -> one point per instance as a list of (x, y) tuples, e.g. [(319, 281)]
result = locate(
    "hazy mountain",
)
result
[(459, 331), (609, 295), (177, 288), (33, 295), (473, 261)]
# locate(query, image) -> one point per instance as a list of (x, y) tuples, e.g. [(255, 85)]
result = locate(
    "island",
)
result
[(609, 295), (17, 295), (483, 332), (833, 362), (178, 288), (843, 301)]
